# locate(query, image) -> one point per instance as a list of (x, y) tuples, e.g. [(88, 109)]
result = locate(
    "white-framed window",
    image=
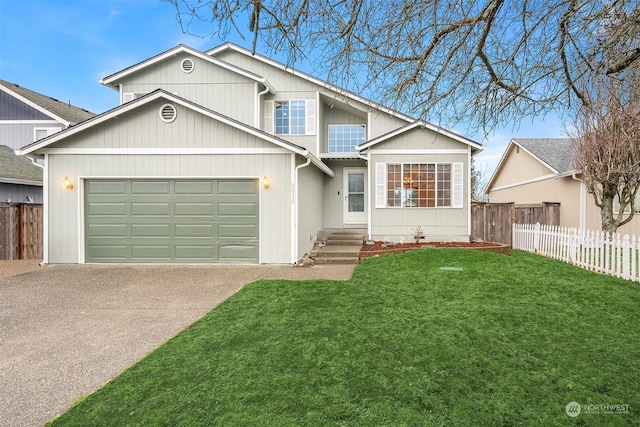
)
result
[(291, 117), (39, 133), (130, 96), (627, 210), (419, 185), (345, 138)]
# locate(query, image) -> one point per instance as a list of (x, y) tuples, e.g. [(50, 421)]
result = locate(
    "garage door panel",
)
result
[(194, 209), (194, 253), (151, 230), (107, 209), (237, 209), (236, 251), (109, 253), (237, 230), (150, 209), (205, 231), (194, 187), (107, 230), (108, 187), (151, 252), (171, 220), (237, 187), (150, 187)]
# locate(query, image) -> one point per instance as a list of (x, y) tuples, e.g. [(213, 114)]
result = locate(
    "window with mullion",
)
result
[(345, 138), (419, 185), (290, 117)]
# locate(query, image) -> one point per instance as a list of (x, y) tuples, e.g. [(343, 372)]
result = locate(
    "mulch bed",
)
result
[(381, 246)]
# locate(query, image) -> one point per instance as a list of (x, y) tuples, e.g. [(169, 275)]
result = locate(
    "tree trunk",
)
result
[(609, 223)]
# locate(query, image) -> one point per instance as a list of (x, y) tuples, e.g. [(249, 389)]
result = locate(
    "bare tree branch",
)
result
[(486, 63)]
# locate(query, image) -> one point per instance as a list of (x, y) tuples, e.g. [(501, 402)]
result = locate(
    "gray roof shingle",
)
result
[(68, 112), (555, 152), (17, 169)]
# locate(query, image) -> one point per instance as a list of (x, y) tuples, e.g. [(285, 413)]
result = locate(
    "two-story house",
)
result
[(227, 156), (27, 116)]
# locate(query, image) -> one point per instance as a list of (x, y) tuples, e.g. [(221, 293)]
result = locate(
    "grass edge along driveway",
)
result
[(505, 341)]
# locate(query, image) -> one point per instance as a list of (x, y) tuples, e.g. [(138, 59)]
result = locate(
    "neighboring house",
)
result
[(537, 170), (226, 156), (27, 116)]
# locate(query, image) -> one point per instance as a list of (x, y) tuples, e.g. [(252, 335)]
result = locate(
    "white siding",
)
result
[(65, 206)]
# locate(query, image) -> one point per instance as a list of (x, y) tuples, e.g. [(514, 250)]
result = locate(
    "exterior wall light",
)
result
[(265, 182), (68, 184)]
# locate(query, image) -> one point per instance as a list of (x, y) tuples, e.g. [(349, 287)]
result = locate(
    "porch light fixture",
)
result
[(265, 182), (68, 184)]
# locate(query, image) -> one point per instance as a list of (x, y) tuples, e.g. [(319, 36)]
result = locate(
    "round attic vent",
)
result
[(187, 65), (168, 113)]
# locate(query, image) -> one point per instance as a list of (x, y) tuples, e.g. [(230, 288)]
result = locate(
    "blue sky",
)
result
[(61, 48)]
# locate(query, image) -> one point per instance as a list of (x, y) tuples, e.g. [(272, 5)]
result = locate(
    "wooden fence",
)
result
[(20, 231), (492, 222), (615, 255)]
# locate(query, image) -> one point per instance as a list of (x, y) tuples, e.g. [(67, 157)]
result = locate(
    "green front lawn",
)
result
[(506, 341)]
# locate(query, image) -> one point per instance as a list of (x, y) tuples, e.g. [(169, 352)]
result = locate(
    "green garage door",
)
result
[(171, 220)]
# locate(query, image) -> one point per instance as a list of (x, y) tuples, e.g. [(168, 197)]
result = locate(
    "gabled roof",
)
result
[(17, 169), (310, 78), (61, 111), (556, 154), (346, 93), (162, 94), (476, 148), (110, 80)]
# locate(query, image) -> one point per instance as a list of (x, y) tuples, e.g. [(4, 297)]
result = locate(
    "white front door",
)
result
[(355, 196)]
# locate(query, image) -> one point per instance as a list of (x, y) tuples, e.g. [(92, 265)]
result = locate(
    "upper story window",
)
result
[(39, 133), (345, 138), (292, 117)]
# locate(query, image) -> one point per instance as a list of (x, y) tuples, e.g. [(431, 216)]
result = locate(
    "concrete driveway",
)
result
[(66, 330)]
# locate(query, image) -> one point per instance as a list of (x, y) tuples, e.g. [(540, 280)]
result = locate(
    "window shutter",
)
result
[(457, 201), (381, 185), (268, 116), (126, 97), (310, 111)]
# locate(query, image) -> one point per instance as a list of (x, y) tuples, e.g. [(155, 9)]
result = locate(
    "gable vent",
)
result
[(168, 113), (187, 65)]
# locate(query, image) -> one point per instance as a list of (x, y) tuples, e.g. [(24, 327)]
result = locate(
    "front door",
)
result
[(355, 196)]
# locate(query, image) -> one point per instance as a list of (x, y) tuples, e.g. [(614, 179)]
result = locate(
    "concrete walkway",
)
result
[(66, 330)]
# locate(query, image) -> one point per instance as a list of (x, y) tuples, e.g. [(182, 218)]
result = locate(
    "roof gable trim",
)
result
[(162, 94), (424, 125), (34, 105), (109, 80)]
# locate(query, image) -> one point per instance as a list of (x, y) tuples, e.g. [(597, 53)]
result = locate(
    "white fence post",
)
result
[(536, 238)]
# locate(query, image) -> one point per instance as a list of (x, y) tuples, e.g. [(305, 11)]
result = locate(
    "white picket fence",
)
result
[(614, 254)]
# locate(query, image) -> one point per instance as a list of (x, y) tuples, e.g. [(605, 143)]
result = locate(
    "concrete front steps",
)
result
[(342, 246)]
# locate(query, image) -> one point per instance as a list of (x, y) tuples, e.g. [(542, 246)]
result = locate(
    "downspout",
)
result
[(257, 112), (583, 202), (294, 201)]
